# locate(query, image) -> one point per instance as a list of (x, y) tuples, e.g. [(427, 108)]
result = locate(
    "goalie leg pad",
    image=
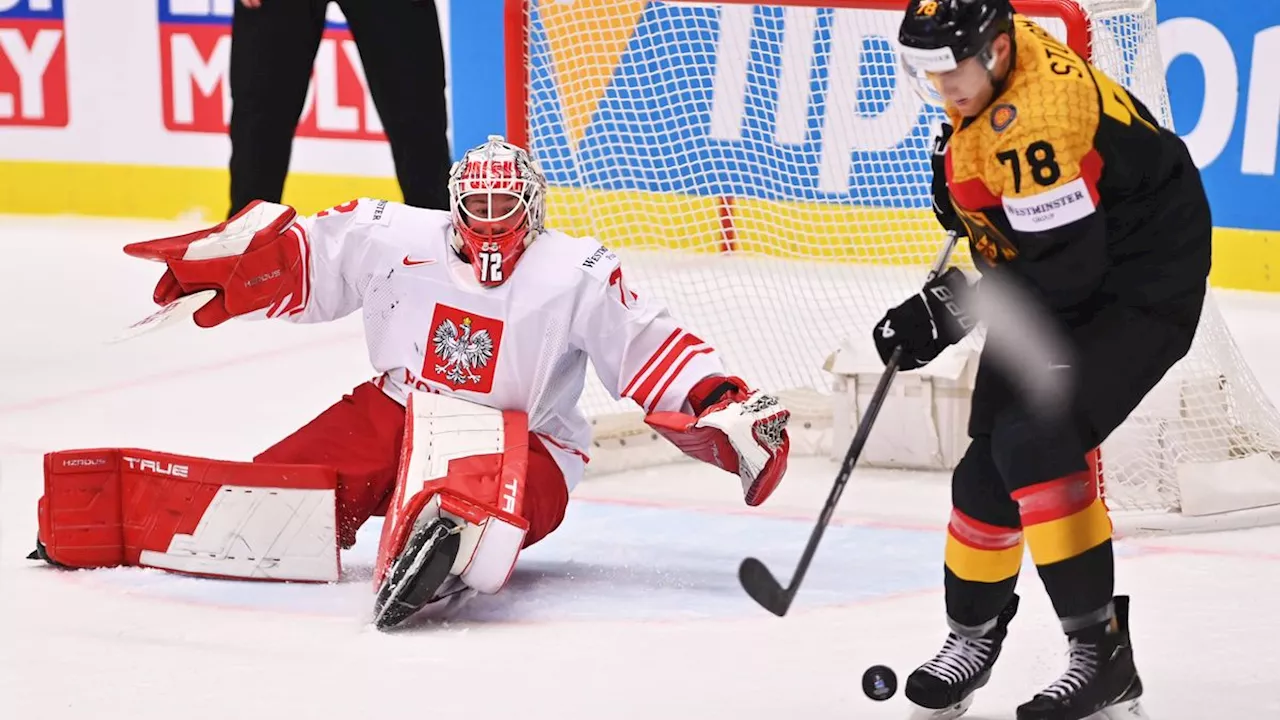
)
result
[(126, 506), (467, 463)]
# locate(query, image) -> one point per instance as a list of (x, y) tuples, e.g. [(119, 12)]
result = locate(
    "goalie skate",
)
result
[(40, 553), (417, 573)]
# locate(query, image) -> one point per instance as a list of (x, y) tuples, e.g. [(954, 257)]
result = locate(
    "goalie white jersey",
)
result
[(523, 345)]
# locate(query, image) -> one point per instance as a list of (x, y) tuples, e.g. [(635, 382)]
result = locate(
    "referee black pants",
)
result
[(273, 48)]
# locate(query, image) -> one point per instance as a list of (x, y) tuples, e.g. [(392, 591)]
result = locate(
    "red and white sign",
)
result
[(195, 62), (33, 63)]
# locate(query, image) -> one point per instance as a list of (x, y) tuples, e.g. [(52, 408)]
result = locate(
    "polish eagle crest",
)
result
[(461, 351)]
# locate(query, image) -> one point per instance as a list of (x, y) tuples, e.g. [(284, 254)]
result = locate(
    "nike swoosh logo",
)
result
[(409, 262)]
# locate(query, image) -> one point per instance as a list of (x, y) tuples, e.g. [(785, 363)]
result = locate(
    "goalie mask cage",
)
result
[(763, 169)]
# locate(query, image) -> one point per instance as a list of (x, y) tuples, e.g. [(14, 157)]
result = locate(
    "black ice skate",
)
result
[(1101, 680), (40, 553), (942, 689), (417, 573)]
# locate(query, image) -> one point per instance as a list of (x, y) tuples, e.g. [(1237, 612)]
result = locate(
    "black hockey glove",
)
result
[(942, 206), (929, 322)]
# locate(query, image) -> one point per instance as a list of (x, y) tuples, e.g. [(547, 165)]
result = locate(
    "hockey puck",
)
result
[(879, 683)]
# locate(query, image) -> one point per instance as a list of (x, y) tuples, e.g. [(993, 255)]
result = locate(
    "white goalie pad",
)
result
[(465, 462), (259, 534), (107, 507)]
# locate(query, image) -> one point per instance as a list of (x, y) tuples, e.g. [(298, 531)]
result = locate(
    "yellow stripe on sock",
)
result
[(1065, 538), (977, 565)]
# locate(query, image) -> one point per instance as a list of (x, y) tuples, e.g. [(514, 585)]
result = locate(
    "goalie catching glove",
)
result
[(256, 261), (929, 322), (737, 429)]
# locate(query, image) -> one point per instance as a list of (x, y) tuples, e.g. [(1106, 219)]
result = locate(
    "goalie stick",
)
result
[(756, 579), (175, 312)]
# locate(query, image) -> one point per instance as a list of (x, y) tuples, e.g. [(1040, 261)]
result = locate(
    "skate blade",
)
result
[(416, 576), (947, 713), (447, 604), (1127, 710)]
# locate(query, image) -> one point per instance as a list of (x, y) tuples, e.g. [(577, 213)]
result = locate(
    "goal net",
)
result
[(763, 169)]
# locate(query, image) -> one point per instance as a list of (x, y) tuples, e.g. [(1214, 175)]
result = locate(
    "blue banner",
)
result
[(666, 101), (31, 9), (477, 83), (1223, 64)]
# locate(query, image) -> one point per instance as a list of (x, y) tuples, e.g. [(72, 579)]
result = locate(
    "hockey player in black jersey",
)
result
[(1065, 186)]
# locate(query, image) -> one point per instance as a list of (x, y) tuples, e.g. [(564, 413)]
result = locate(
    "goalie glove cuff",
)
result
[(714, 389)]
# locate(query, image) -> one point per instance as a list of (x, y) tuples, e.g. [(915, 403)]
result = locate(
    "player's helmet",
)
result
[(497, 195), (936, 35)]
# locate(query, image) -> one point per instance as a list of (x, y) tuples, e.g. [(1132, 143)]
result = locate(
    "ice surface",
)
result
[(630, 610)]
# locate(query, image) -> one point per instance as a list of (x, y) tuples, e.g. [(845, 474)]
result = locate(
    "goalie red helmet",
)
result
[(497, 196)]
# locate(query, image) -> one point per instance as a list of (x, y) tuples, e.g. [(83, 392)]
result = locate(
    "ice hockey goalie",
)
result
[(479, 323)]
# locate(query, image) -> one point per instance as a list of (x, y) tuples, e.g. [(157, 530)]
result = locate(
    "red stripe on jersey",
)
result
[(653, 358), (973, 195), (674, 375), (655, 376), (562, 446), (1091, 170)]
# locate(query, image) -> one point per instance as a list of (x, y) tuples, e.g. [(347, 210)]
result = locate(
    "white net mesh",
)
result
[(763, 171)]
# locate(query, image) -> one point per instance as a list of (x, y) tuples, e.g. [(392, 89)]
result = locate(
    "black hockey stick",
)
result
[(756, 579)]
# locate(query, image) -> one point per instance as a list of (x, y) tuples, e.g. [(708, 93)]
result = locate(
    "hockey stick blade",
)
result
[(756, 579), (173, 313), (763, 587)]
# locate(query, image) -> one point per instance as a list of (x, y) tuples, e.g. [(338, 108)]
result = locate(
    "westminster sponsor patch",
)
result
[(374, 213), (1052, 209), (600, 263)]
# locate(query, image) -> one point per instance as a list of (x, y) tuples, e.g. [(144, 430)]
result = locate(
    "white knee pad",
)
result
[(467, 463)]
